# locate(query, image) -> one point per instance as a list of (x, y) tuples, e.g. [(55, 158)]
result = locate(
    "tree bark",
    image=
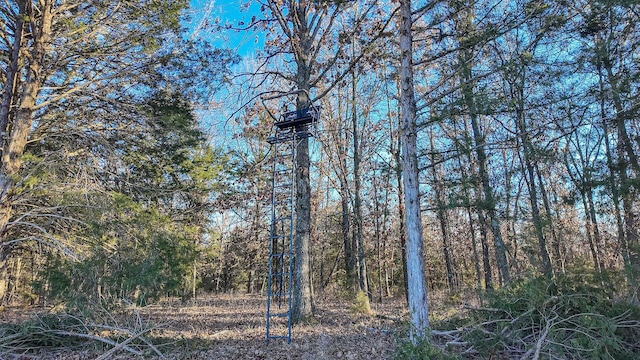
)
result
[(11, 73), (15, 142), (302, 299), (417, 285)]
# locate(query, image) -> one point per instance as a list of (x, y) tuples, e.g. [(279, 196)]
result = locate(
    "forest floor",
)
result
[(232, 326)]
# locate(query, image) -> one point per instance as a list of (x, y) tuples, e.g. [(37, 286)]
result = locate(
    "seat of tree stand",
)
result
[(297, 118)]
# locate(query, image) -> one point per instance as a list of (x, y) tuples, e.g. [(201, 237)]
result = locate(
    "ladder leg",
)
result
[(279, 280)]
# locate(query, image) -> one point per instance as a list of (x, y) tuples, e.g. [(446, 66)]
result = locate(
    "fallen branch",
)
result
[(448, 333), (96, 338)]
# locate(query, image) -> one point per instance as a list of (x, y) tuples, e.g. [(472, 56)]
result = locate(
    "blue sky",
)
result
[(243, 42)]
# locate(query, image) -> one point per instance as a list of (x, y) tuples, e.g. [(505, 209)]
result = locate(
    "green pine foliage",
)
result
[(361, 304), (421, 350), (576, 315), (138, 255), (136, 233)]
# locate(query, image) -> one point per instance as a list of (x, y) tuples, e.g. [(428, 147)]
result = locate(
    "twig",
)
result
[(119, 346), (448, 333)]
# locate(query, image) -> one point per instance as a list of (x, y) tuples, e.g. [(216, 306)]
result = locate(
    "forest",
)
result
[(471, 189)]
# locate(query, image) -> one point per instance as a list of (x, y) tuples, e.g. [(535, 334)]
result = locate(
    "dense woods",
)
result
[(495, 144)]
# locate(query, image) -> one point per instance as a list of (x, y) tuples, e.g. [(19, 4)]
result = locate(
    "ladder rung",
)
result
[(280, 236), (282, 218), (278, 337), (282, 202), (282, 171), (282, 206), (279, 314), (280, 275)]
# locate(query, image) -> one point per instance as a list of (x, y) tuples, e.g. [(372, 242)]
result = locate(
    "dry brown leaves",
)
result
[(232, 326)]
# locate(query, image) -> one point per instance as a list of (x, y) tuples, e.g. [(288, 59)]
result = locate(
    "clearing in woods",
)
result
[(233, 327)]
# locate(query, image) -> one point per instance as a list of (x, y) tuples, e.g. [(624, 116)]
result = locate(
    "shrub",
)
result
[(573, 316), (422, 350), (361, 304)]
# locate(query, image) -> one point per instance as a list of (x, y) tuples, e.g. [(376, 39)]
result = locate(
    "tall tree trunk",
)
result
[(626, 156), (557, 254), (417, 284), (341, 169), (530, 179), (402, 219), (613, 170), (302, 301), (363, 281), (377, 234), (17, 131), (5, 109), (441, 214), (489, 203), (302, 305), (12, 72)]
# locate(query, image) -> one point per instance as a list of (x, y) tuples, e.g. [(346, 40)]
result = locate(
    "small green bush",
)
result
[(361, 304), (422, 350)]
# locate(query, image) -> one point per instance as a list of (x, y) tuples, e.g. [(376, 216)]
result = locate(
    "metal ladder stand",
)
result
[(293, 127)]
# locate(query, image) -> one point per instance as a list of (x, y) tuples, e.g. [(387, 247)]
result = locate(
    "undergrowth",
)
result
[(100, 331), (361, 304), (421, 350), (573, 316), (577, 315)]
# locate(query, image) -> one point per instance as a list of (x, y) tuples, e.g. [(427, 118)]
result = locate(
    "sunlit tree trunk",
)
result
[(417, 285), (17, 130), (302, 304)]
